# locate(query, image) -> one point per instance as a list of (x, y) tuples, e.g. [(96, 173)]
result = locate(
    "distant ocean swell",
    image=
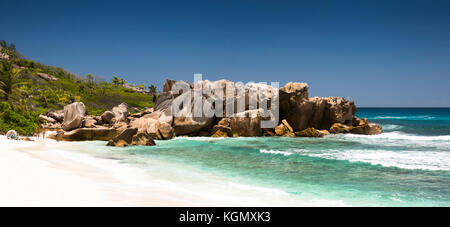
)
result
[(423, 117)]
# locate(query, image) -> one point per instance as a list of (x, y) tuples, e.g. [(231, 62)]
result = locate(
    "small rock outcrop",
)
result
[(360, 126), (167, 87), (284, 129), (312, 132), (337, 128), (131, 137), (47, 77), (142, 139), (86, 134), (123, 139), (367, 129)]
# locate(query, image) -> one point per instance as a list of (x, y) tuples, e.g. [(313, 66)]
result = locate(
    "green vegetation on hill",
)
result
[(24, 94)]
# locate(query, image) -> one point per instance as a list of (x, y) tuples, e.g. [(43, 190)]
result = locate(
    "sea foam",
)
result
[(424, 160), (390, 127), (285, 153)]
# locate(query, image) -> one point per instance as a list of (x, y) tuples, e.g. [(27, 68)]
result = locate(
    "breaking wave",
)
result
[(285, 153)]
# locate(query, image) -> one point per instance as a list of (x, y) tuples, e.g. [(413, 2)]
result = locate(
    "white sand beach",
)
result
[(39, 174), (32, 174)]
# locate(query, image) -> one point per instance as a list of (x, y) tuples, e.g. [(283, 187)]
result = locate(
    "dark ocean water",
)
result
[(417, 121), (407, 165)]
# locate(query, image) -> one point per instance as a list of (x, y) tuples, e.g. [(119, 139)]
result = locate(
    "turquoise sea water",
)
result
[(407, 165)]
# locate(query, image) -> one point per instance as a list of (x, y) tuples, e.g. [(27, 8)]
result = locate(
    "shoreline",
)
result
[(38, 173)]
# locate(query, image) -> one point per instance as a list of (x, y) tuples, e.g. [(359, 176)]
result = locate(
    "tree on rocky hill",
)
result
[(11, 82), (152, 89), (115, 80)]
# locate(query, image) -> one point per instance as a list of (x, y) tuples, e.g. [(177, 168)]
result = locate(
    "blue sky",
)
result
[(378, 53)]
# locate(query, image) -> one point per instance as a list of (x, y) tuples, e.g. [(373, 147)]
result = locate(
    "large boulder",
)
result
[(87, 134), (123, 139), (165, 131), (73, 116), (142, 139), (121, 112), (107, 117), (146, 124), (291, 96), (321, 113), (185, 122), (246, 124), (222, 129), (151, 123)]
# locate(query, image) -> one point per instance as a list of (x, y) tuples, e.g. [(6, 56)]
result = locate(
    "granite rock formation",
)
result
[(174, 114)]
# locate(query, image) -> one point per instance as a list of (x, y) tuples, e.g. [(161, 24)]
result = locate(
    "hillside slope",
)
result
[(29, 88)]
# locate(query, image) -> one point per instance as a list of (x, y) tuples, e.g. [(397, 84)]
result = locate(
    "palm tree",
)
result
[(116, 80), (122, 82), (153, 92), (11, 81), (152, 89)]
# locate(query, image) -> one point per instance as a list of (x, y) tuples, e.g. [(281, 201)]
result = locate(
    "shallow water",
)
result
[(407, 165)]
